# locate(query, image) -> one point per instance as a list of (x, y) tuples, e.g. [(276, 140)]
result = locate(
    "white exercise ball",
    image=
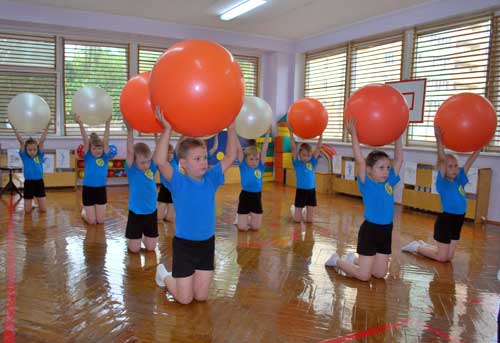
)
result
[(28, 112), (254, 119), (93, 105)]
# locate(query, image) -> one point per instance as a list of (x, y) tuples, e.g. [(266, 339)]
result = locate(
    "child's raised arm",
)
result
[(160, 155), (440, 151), (356, 149), (41, 141), (293, 145), (263, 152), (216, 145), (105, 139), (19, 138), (239, 150), (85, 137), (317, 150), (130, 145), (230, 155), (398, 154), (472, 158)]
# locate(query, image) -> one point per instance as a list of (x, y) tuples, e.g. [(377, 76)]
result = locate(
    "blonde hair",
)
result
[(251, 150), (187, 144), (95, 140), (142, 149)]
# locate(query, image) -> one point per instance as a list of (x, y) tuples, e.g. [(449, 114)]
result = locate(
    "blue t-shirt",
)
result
[(378, 198), (194, 203), (304, 173), (452, 193), (251, 178), (96, 170), (32, 166), (175, 165), (142, 189)]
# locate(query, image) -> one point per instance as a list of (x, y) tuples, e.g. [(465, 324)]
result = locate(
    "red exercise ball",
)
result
[(381, 114), (117, 164), (136, 107), (467, 121), (79, 150), (199, 86), (81, 164), (307, 117), (111, 173)]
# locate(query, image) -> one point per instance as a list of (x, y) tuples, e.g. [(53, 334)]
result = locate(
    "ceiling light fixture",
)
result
[(241, 8)]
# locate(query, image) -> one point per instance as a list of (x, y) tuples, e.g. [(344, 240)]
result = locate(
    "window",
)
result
[(325, 74), (453, 59), (250, 68), (148, 57), (27, 65), (374, 61), (494, 78), (103, 65)]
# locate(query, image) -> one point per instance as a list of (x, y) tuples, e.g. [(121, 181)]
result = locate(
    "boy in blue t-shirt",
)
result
[(252, 166), (450, 184), (95, 173), (165, 204), (304, 162), (193, 194), (32, 156), (376, 181), (142, 222)]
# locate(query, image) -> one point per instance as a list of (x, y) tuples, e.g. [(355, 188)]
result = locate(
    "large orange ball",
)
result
[(467, 121), (307, 117), (381, 114), (136, 107), (199, 86)]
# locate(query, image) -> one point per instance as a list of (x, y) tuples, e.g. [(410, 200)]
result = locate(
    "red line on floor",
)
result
[(365, 333), (10, 304)]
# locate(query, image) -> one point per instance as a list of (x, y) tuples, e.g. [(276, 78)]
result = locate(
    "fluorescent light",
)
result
[(241, 8)]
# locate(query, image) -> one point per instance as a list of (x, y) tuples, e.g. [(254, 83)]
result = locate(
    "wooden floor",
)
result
[(75, 283)]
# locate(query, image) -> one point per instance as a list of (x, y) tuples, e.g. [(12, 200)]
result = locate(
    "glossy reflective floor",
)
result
[(76, 283)]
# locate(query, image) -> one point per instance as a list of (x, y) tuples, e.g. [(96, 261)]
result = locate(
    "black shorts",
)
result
[(94, 196), (164, 195), (250, 202), (189, 256), (374, 239), (34, 188), (448, 227), (305, 197), (141, 224)]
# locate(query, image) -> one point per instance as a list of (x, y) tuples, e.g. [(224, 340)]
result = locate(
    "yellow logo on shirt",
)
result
[(149, 174), (388, 189), (258, 174), (36, 159), (99, 162), (309, 166), (461, 190)]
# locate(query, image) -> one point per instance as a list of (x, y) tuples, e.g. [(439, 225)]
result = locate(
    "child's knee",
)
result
[(364, 276), (203, 297), (442, 258), (184, 299), (134, 249), (379, 275), (242, 227)]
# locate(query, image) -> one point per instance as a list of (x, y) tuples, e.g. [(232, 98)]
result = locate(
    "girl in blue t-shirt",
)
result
[(32, 156), (304, 162), (252, 166), (142, 222), (450, 184), (95, 174), (376, 181)]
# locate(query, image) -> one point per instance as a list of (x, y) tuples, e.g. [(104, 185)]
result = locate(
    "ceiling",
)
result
[(287, 19)]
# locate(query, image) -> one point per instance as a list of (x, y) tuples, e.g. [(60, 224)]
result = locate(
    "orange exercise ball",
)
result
[(199, 86), (467, 121), (136, 107), (307, 117), (381, 114)]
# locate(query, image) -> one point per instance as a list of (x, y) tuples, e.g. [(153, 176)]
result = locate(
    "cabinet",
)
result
[(116, 171)]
